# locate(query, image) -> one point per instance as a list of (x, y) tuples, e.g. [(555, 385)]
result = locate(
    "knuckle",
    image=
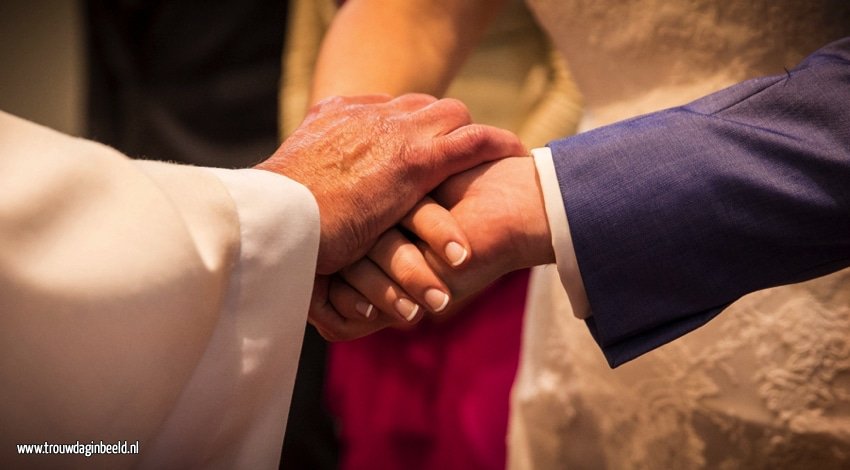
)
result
[(408, 267), (442, 229), (474, 134), (329, 102), (467, 140), (455, 108), (407, 276), (414, 98)]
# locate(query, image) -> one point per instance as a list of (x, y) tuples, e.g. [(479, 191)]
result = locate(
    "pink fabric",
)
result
[(435, 397)]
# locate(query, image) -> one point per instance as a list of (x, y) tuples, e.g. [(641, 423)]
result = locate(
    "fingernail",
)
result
[(406, 308), (436, 299), (456, 253), (364, 308)]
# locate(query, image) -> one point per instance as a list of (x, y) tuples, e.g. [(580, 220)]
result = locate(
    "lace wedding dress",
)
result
[(767, 383)]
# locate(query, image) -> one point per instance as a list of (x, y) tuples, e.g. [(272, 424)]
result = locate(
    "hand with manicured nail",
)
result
[(394, 284), (368, 160), (496, 224)]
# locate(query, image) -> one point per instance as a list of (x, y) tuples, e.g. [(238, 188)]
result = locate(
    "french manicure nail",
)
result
[(406, 308), (364, 308), (456, 253), (436, 299)]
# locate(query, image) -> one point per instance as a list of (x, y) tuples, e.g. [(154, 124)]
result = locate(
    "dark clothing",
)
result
[(188, 81)]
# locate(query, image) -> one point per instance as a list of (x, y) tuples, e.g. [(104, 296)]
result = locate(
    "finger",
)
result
[(411, 102), (443, 116), (345, 300), (351, 304), (337, 324), (381, 291), (437, 227), (322, 314), (348, 330), (474, 144), (402, 261)]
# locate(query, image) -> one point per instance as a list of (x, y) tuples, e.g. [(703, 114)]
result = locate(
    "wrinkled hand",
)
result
[(368, 160)]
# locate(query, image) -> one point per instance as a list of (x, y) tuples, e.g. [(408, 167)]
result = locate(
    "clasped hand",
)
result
[(419, 208)]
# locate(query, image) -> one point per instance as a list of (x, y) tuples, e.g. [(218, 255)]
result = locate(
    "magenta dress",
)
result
[(434, 397)]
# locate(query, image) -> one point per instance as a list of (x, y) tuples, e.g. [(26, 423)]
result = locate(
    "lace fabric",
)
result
[(767, 383)]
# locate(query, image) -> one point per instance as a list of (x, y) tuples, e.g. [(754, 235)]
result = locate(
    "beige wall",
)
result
[(41, 61)]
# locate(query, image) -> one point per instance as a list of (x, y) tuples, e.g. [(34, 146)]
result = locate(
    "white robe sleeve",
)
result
[(146, 301)]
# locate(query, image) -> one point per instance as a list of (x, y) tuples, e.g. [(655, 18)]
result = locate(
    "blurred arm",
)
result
[(398, 46)]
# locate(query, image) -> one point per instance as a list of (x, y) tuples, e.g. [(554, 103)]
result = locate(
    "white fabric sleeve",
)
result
[(262, 324), (562, 242), (146, 301)]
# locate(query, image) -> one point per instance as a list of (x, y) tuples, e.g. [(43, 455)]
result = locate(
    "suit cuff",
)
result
[(562, 242)]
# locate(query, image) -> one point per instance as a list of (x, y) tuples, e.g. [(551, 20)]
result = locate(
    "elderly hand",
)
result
[(368, 160)]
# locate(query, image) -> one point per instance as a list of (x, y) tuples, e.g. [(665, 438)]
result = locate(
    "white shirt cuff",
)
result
[(562, 242)]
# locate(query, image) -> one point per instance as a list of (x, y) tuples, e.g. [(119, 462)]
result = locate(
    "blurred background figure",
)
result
[(436, 395), (189, 81)]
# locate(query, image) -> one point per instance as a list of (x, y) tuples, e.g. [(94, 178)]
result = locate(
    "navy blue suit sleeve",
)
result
[(675, 215)]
